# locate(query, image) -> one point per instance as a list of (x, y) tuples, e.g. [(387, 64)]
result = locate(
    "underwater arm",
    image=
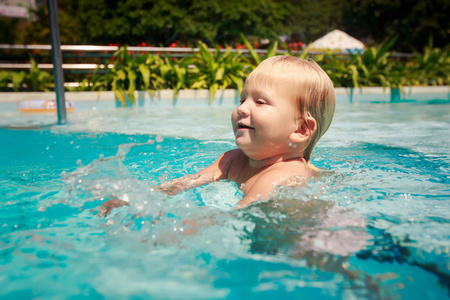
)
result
[(186, 182), (108, 206), (216, 171), (170, 188)]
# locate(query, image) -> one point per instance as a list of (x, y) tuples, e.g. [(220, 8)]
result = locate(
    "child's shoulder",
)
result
[(262, 184), (287, 171), (233, 155)]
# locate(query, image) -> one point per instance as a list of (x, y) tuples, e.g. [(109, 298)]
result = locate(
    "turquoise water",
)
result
[(376, 225)]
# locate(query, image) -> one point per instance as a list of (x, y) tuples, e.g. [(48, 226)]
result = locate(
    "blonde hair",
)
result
[(311, 88)]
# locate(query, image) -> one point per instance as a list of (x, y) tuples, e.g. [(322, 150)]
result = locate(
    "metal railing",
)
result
[(105, 52), (102, 50)]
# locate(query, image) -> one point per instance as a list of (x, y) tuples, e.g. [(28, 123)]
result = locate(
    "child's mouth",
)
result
[(243, 126)]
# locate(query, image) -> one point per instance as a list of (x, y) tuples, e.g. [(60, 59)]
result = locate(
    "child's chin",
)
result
[(241, 144), (239, 138)]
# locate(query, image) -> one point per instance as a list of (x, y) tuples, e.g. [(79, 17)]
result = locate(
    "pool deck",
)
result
[(229, 96)]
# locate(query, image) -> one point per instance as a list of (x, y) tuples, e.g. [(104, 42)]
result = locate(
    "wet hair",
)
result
[(311, 89)]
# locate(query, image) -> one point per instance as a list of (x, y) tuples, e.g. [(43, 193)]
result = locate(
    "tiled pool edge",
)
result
[(230, 96)]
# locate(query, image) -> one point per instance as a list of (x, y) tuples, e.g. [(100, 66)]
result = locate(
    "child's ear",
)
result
[(305, 129)]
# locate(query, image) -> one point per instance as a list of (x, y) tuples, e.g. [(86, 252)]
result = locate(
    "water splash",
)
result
[(103, 178)]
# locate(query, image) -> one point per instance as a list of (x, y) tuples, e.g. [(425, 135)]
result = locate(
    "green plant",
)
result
[(175, 73), (432, 67), (101, 80), (257, 58), (36, 79), (373, 66), (235, 71), (342, 71), (128, 74), (219, 71), (5, 79)]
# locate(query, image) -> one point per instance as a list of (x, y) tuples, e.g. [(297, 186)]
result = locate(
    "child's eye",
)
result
[(241, 101), (260, 102)]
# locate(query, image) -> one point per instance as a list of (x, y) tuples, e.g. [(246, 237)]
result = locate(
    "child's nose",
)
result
[(243, 109)]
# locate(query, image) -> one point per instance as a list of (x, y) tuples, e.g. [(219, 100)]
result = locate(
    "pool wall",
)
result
[(231, 96)]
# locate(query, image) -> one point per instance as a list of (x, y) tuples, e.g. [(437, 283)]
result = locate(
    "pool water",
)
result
[(375, 225)]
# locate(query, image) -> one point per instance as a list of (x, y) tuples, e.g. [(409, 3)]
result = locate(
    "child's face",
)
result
[(264, 121)]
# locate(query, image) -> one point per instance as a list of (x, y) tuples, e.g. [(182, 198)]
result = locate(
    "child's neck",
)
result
[(263, 163)]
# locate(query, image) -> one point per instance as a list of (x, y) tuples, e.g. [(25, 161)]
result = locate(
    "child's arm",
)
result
[(108, 206), (216, 171), (259, 190)]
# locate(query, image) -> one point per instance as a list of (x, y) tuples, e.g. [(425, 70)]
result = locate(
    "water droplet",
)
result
[(158, 147), (79, 162), (123, 150), (102, 156), (159, 139)]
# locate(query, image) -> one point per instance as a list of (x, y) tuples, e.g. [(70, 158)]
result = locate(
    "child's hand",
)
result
[(171, 189), (109, 205), (178, 185)]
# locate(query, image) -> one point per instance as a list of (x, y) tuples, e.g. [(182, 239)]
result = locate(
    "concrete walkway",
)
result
[(342, 94)]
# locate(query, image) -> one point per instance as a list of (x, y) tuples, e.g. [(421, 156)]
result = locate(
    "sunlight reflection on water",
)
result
[(381, 209)]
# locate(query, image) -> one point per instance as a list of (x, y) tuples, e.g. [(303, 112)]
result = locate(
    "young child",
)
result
[(287, 104)]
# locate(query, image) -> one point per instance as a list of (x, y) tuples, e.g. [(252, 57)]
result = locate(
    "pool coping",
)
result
[(230, 94)]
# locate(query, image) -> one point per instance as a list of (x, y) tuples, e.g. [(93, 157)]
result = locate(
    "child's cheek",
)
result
[(234, 117)]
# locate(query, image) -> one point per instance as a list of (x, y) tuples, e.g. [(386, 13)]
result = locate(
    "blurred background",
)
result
[(164, 22)]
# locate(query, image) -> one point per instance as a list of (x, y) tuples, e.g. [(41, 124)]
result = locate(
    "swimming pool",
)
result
[(382, 210)]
